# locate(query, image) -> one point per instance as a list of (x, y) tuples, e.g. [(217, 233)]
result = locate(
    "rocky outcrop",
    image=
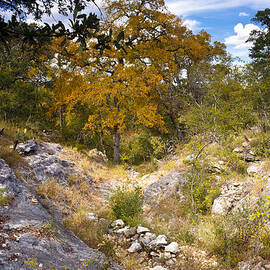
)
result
[(156, 252), (45, 162), (256, 263), (156, 248), (165, 187), (231, 195), (27, 232)]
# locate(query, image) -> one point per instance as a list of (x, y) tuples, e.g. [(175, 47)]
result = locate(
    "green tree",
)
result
[(260, 51), (82, 25)]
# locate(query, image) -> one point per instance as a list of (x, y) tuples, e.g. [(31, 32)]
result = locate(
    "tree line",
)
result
[(139, 73)]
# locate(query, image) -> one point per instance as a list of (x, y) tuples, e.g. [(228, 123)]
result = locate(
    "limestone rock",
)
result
[(165, 187), (92, 217), (135, 247), (124, 230), (259, 168), (45, 162), (160, 241), (142, 229), (238, 150), (172, 247), (231, 194), (158, 267), (97, 156), (27, 148), (250, 157), (118, 224), (57, 247), (146, 239)]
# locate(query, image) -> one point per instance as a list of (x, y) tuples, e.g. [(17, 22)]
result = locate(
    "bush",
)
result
[(261, 145), (228, 237), (136, 148), (126, 204), (200, 189), (232, 159)]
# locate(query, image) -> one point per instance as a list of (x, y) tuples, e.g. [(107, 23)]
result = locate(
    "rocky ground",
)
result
[(29, 232)]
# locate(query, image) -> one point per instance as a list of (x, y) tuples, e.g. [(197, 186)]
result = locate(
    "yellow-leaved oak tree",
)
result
[(116, 92), (137, 79), (153, 36)]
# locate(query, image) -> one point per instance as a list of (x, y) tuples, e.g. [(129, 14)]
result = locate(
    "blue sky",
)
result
[(228, 21)]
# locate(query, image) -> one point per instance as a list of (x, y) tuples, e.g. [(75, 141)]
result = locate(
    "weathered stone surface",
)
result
[(142, 229), (158, 267), (238, 150), (124, 230), (135, 247), (160, 241), (27, 148), (45, 162), (172, 247), (147, 238), (259, 168), (231, 194), (250, 157), (118, 224), (37, 234), (165, 187)]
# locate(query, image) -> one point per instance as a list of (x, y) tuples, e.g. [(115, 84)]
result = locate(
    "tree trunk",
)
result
[(116, 146), (61, 118)]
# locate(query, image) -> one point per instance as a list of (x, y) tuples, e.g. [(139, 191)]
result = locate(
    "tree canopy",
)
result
[(82, 25), (260, 50)]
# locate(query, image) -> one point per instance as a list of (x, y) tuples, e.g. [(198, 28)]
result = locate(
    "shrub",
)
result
[(228, 237), (126, 203), (232, 159), (136, 148), (158, 146), (261, 145), (200, 188)]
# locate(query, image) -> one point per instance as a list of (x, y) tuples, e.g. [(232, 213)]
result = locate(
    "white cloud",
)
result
[(243, 14), (192, 24), (236, 44), (184, 7), (238, 41)]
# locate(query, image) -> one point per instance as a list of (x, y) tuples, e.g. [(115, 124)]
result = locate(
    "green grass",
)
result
[(4, 197)]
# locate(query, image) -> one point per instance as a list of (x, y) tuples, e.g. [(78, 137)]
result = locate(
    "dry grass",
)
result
[(99, 171), (11, 157), (88, 231)]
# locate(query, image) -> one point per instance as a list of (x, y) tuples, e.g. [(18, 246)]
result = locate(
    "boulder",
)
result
[(29, 232), (142, 229), (231, 194), (160, 241), (45, 162), (165, 187), (97, 156), (146, 239), (135, 247), (172, 247), (27, 148), (158, 267), (118, 224), (92, 217), (259, 168)]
